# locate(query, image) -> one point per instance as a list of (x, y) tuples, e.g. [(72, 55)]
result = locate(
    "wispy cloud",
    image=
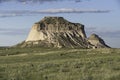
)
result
[(66, 10), (14, 13), (110, 33), (91, 28), (38, 1), (104, 33), (13, 31), (10, 15)]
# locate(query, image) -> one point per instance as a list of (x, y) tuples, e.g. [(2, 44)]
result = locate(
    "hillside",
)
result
[(58, 32), (59, 64)]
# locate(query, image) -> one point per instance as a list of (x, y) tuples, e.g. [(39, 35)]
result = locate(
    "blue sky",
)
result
[(99, 16)]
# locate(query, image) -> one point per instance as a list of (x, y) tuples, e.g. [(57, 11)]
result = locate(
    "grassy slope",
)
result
[(59, 64)]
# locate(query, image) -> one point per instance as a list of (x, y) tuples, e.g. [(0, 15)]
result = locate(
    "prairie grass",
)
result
[(59, 64)]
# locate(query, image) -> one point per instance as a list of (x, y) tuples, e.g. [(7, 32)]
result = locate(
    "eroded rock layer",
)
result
[(57, 32), (97, 41)]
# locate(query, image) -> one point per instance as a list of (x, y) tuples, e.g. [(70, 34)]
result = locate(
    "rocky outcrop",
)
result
[(97, 41), (58, 32)]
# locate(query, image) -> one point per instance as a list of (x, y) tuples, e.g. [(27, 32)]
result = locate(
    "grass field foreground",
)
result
[(59, 64)]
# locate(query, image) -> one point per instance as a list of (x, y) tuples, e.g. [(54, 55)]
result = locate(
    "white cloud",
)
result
[(38, 1), (48, 11), (67, 10)]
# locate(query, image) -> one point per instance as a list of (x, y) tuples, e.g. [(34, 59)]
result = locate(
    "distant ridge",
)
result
[(58, 32)]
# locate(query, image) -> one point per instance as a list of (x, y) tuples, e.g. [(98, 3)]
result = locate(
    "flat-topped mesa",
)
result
[(58, 24), (58, 32), (42, 29)]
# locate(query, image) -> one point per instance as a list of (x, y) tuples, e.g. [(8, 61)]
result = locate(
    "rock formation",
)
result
[(58, 32), (97, 42)]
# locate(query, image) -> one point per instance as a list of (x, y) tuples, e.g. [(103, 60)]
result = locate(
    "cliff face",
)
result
[(57, 32), (48, 27)]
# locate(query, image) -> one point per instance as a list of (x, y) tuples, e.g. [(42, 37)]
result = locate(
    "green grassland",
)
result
[(59, 64)]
